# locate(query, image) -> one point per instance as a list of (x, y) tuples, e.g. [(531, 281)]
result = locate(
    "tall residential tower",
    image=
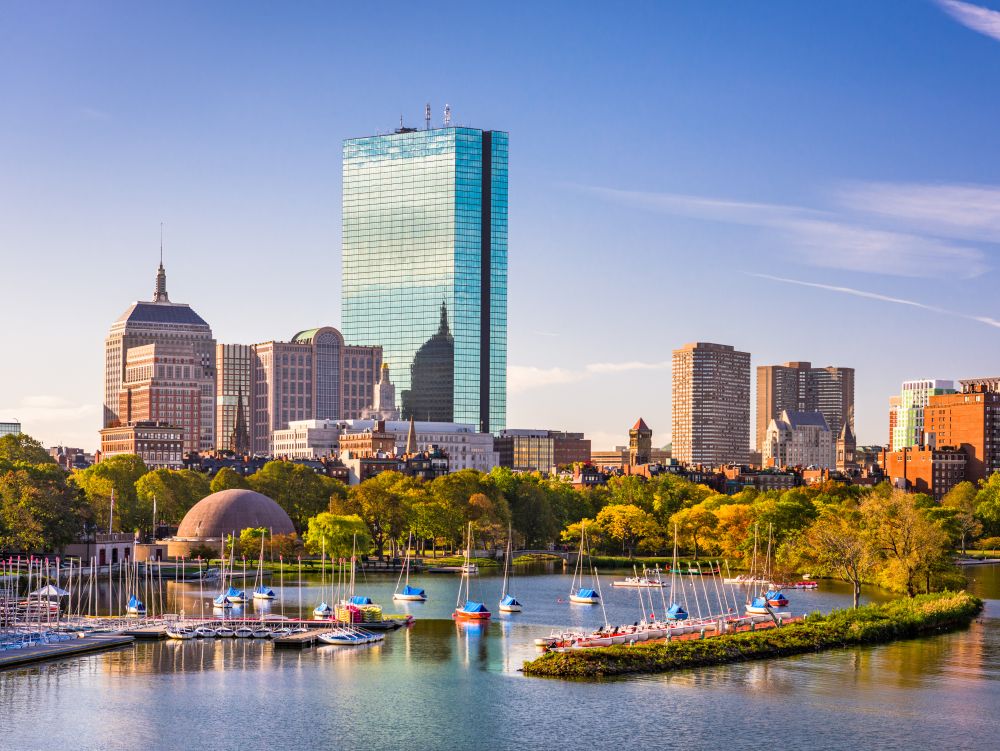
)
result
[(799, 387), (425, 267), (710, 412)]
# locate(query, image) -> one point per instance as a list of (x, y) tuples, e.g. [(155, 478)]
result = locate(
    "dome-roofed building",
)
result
[(228, 512)]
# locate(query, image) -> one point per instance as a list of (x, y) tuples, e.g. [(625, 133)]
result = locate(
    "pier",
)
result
[(12, 658)]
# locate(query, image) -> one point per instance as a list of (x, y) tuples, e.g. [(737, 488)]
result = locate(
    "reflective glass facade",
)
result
[(425, 267)]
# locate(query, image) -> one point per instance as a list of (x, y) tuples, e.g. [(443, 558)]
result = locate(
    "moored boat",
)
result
[(776, 599), (205, 632), (179, 632), (471, 610), (408, 593), (585, 596), (224, 632), (244, 632), (263, 593), (135, 606)]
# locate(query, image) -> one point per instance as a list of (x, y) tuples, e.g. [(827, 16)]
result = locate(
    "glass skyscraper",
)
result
[(425, 267)]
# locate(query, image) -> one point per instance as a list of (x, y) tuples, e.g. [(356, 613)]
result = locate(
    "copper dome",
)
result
[(230, 512)]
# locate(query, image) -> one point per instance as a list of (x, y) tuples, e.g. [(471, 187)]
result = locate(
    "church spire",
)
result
[(443, 327), (411, 438), (160, 295)]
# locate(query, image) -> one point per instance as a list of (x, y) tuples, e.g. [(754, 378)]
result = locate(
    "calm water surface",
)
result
[(440, 685)]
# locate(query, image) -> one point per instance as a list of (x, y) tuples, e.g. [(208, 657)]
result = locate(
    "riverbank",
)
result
[(872, 624)]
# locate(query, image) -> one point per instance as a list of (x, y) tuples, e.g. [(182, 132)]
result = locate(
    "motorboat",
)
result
[(205, 632)]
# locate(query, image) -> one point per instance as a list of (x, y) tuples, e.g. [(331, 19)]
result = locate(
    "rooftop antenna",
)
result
[(447, 116), (161, 243), (427, 116), (400, 121)]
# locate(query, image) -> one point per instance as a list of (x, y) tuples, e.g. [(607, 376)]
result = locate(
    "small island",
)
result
[(907, 618)]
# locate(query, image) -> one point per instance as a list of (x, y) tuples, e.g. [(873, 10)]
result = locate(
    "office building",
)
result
[(315, 376), (465, 447), (922, 469), (526, 450), (159, 444), (799, 387), (967, 421), (233, 363), (163, 322), (307, 439), (425, 267), (711, 405), (10, 427), (569, 448), (799, 439), (914, 396)]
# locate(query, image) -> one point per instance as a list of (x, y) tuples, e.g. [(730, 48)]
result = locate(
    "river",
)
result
[(438, 685)]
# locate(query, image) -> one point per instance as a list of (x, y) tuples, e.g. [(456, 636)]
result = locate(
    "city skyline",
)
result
[(863, 211)]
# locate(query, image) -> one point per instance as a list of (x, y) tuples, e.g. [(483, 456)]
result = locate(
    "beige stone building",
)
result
[(158, 444), (711, 404), (798, 439)]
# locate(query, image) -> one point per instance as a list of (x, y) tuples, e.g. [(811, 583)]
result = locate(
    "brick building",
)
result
[(970, 422), (920, 469)]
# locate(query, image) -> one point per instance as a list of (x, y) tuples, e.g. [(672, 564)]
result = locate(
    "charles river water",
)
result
[(438, 685)]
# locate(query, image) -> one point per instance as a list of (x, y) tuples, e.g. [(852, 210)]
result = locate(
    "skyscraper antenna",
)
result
[(161, 243), (400, 121), (427, 116), (447, 116)]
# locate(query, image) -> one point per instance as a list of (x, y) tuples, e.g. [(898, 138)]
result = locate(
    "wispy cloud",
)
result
[(821, 238), (964, 211), (975, 17), (880, 298), (521, 378)]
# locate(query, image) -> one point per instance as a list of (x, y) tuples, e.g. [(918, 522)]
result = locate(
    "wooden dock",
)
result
[(297, 641), (43, 652)]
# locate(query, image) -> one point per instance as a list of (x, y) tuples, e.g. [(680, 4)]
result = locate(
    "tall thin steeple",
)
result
[(443, 325), (160, 295), (411, 438)]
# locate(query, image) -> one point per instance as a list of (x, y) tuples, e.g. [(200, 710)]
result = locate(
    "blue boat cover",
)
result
[(509, 600), (586, 593), (361, 600), (474, 607), (759, 602), (220, 600), (408, 590), (262, 590), (322, 608), (676, 613), (134, 603), (233, 592)]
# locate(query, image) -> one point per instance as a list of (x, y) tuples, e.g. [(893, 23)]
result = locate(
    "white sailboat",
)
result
[(508, 603), (261, 592), (408, 593)]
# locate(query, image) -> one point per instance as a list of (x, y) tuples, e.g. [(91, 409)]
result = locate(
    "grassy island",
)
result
[(872, 624)]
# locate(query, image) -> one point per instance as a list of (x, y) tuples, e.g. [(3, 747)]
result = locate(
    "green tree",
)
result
[(694, 523), (298, 489), (988, 504), (835, 544), (21, 447), (38, 511), (626, 524), (175, 491), (336, 534), (384, 503), (228, 478), (899, 533), (118, 475)]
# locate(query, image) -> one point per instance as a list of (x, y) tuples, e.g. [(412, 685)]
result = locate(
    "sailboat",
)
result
[(508, 603), (260, 592), (675, 612), (580, 594), (761, 605), (222, 601), (135, 606), (323, 610), (471, 610), (408, 593)]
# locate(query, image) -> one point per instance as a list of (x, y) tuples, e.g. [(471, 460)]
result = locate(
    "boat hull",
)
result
[(461, 615), (584, 600), (509, 608), (409, 598)]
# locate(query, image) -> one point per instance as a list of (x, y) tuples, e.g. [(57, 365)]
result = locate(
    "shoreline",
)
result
[(868, 625)]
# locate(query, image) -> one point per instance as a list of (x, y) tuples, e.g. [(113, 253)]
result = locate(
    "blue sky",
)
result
[(805, 181)]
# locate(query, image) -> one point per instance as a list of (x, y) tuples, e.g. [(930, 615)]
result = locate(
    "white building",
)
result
[(307, 439), (798, 439), (466, 449)]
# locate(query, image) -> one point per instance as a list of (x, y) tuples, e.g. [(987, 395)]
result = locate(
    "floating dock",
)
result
[(43, 652)]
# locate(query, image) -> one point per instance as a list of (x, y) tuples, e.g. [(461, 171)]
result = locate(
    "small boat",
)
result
[(244, 632), (236, 595), (408, 593), (585, 596), (225, 632), (758, 606), (322, 610), (508, 603), (650, 579), (263, 593), (277, 633), (179, 632), (471, 610), (135, 606), (676, 613), (776, 599), (806, 584), (261, 632), (221, 602), (205, 632), (349, 637)]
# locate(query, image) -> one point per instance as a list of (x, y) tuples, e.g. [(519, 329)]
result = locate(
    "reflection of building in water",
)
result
[(432, 377)]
